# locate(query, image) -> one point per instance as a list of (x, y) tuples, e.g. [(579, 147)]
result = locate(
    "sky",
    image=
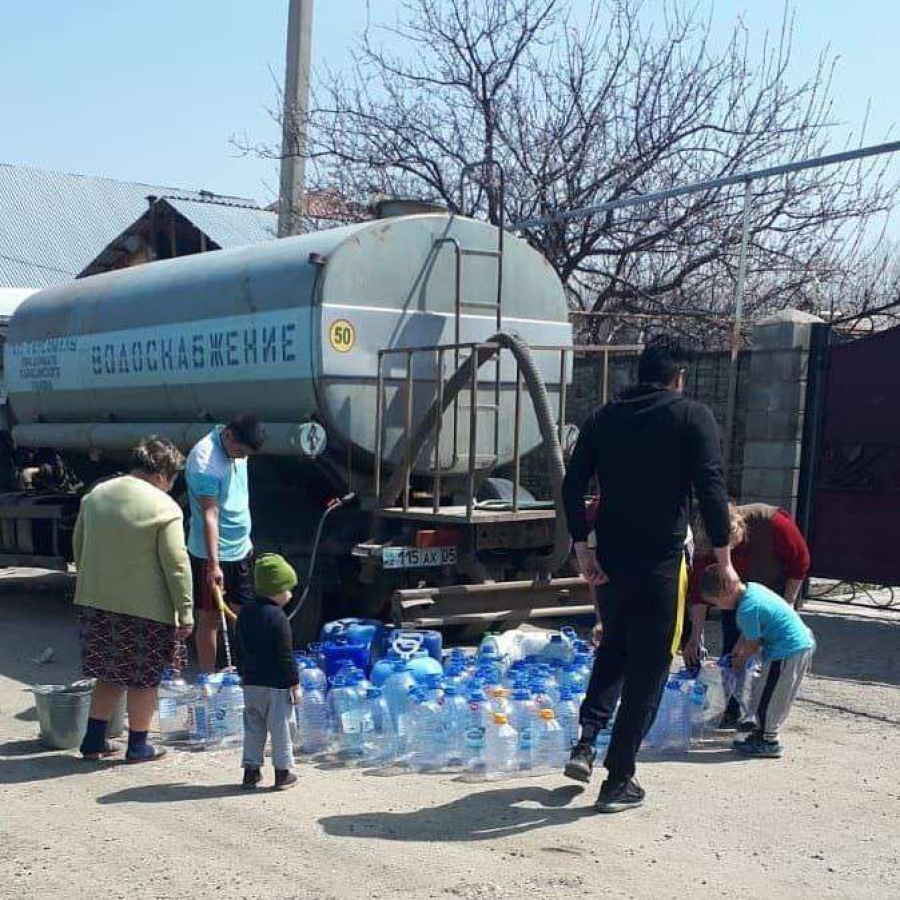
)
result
[(154, 92)]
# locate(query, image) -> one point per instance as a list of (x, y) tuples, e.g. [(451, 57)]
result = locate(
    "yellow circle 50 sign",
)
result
[(342, 336)]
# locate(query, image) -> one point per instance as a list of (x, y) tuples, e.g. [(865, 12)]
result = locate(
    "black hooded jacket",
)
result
[(648, 449)]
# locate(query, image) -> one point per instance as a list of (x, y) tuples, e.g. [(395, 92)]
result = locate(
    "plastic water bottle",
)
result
[(453, 718), (201, 732), (346, 716), (174, 697), (499, 701), (522, 718), (228, 707), (559, 647), (567, 715), (379, 742), (698, 707), (433, 685), (474, 726), (396, 693), (426, 749), (500, 747), (312, 678), (550, 751), (311, 718), (710, 676)]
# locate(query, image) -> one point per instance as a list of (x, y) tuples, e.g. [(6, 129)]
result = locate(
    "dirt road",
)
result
[(824, 822)]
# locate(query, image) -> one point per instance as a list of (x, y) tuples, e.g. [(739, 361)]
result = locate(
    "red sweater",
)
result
[(785, 558)]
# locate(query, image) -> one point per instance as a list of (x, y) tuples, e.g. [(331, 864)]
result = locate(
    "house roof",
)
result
[(53, 224)]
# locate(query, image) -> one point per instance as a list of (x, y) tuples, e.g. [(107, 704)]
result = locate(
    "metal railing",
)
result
[(462, 353)]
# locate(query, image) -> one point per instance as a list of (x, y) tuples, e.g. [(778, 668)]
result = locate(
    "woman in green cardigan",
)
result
[(133, 594)]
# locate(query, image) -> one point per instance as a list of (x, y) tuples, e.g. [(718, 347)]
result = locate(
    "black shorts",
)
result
[(238, 582)]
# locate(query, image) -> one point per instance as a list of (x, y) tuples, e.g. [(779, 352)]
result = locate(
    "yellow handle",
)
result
[(220, 602)]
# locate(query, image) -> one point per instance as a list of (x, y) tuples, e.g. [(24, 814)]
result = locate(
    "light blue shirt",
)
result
[(210, 472), (765, 617)]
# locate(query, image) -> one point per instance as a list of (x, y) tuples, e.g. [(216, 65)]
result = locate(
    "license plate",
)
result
[(417, 557)]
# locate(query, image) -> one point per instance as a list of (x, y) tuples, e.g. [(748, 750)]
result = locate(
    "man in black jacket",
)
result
[(648, 449)]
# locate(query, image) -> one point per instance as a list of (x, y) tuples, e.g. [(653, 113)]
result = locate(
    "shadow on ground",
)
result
[(482, 816), (172, 793)]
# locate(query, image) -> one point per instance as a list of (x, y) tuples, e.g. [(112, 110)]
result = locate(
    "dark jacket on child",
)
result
[(264, 645)]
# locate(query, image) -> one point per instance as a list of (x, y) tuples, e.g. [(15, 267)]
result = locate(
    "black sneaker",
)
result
[(730, 720), (581, 762), (619, 795), (748, 726), (252, 777), (284, 779), (757, 747)]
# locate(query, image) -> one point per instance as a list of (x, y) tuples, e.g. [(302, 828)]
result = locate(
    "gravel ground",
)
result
[(823, 822)]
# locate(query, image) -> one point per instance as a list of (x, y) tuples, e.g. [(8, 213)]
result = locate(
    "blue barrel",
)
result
[(341, 650)]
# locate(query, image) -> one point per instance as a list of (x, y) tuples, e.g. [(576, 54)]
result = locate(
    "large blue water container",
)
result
[(360, 631), (340, 650)]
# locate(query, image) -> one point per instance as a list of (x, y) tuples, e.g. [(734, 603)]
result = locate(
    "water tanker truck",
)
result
[(399, 366)]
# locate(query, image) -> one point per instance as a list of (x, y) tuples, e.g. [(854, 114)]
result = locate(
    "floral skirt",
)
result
[(127, 650)]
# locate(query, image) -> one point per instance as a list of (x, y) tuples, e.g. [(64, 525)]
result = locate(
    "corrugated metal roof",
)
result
[(228, 225), (52, 224)]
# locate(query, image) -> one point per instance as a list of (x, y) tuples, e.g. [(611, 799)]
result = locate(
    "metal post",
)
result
[(379, 426), (517, 427), (473, 431), (407, 428), (436, 479), (736, 328), (562, 394), (605, 374), (293, 116)]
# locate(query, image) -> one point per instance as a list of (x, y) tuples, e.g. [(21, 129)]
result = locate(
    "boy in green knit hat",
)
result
[(265, 662)]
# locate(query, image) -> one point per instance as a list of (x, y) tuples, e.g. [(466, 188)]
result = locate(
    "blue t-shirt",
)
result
[(763, 616), (210, 472)]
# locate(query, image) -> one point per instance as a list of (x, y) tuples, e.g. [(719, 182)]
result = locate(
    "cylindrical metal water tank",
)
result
[(289, 331)]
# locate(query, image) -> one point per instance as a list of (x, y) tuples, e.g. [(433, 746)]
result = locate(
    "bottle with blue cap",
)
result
[(453, 719), (228, 708), (474, 727)]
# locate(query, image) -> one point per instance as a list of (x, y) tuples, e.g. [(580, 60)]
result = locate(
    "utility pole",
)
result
[(293, 125)]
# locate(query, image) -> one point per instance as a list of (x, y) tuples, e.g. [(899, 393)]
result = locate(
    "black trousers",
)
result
[(643, 614)]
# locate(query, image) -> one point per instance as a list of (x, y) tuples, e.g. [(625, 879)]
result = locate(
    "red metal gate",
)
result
[(852, 458)]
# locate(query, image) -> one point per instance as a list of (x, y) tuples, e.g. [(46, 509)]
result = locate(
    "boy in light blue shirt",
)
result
[(771, 627)]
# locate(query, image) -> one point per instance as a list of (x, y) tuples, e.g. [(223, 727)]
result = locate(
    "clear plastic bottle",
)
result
[(433, 685), (453, 717), (174, 699), (522, 717), (345, 712), (200, 716), (379, 743), (228, 709), (311, 717), (500, 747), (550, 751), (474, 726), (567, 714), (396, 692), (499, 700), (312, 678), (426, 750)]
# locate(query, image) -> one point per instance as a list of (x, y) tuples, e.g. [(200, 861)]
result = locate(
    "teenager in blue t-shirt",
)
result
[(772, 628)]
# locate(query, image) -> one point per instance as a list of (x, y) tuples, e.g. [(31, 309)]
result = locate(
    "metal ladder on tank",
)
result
[(496, 306)]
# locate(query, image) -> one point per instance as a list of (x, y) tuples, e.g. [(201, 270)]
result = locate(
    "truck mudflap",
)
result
[(485, 604)]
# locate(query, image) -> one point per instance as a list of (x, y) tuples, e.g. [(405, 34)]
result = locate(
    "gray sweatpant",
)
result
[(267, 711), (775, 686)]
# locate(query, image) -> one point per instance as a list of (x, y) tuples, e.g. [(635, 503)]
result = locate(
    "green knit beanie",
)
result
[(273, 574)]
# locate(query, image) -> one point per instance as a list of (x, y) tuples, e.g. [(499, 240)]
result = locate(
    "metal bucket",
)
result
[(63, 713)]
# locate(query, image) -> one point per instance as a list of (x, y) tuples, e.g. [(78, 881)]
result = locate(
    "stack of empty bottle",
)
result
[(206, 714), (380, 697)]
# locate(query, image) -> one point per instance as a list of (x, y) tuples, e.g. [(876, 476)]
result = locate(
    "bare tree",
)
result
[(582, 112)]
